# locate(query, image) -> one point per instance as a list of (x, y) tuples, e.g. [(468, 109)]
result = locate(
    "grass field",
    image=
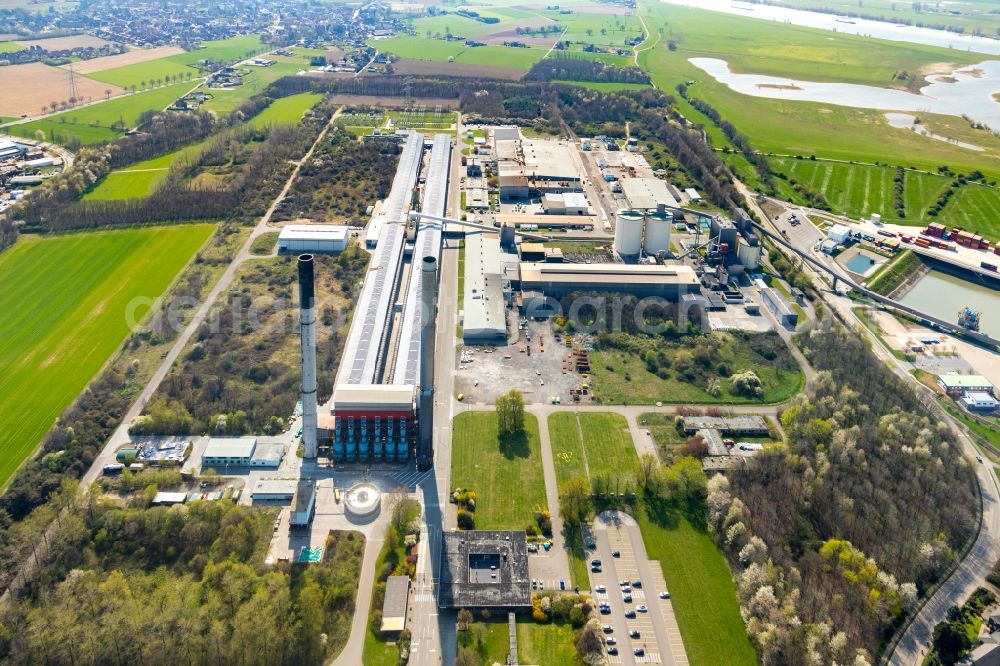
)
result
[(149, 71), (421, 48), (287, 110), (128, 183), (60, 326), (10, 47), (225, 102), (507, 477), (785, 127), (701, 586), (234, 48), (606, 86), (92, 123), (629, 382), (542, 644)]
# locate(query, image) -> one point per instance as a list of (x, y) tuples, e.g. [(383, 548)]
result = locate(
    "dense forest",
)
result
[(240, 374), (341, 180), (562, 67), (835, 537), (179, 585)]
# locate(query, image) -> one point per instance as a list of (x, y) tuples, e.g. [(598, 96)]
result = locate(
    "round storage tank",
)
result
[(628, 233), (362, 502), (657, 233)]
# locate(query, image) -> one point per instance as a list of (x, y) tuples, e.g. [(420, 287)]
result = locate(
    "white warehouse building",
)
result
[(318, 238)]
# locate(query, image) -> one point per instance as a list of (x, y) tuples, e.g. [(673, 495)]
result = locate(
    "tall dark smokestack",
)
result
[(307, 331), (428, 312)]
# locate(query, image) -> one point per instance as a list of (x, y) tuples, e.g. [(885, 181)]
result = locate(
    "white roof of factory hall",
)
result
[(607, 273), (313, 232), (646, 193), (346, 396), (483, 305), (230, 447)]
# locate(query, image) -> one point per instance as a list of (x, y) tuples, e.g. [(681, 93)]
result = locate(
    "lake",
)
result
[(856, 26), (970, 94), (941, 294)]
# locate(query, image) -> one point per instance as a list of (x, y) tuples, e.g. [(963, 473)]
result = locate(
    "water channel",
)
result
[(942, 294)]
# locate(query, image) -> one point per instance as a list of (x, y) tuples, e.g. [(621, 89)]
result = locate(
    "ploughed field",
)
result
[(66, 302)]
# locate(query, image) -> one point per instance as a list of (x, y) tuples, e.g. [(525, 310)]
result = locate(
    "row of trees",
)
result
[(834, 538), (564, 67)]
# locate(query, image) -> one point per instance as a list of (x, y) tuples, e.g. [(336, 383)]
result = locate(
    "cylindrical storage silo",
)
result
[(628, 233), (657, 233)]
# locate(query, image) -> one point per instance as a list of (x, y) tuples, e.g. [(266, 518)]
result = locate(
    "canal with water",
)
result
[(942, 295)]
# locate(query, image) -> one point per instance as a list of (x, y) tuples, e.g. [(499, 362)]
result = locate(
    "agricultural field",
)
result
[(226, 50), (130, 58), (32, 88), (804, 128), (130, 183), (287, 110), (50, 351), (976, 208), (420, 48), (506, 476), (10, 47), (69, 42), (143, 75), (92, 124), (422, 119)]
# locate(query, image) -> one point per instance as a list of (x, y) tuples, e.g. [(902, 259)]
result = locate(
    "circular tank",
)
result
[(628, 233), (362, 501), (657, 233)]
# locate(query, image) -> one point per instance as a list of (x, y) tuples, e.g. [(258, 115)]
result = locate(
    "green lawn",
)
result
[(287, 110), (507, 477), (606, 86), (421, 48), (701, 587), (607, 444), (786, 127), (234, 48), (66, 302), (126, 184), (225, 102), (976, 208), (10, 47), (92, 124), (149, 71), (542, 644)]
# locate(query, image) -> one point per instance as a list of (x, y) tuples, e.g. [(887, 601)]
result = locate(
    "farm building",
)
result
[(319, 238)]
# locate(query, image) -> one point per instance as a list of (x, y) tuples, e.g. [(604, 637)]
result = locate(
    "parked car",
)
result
[(608, 629), (612, 650), (641, 608), (600, 588), (630, 614), (664, 595), (634, 633), (616, 553)]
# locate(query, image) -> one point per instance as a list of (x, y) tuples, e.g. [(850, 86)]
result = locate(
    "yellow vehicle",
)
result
[(460, 397)]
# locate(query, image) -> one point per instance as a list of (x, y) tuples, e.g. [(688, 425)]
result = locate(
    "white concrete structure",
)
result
[(316, 238), (223, 451), (363, 501), (628, 233), (657, 232), (838, 233), (307, 334)]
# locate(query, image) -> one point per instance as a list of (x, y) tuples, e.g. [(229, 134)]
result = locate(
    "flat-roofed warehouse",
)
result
[(559, 279), (485, 569), (320, 238), (397, 594), (647, 193), (484, 317)]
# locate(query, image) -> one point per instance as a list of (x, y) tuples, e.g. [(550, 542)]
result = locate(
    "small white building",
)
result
[(980, 402), (692, 194), (565, 203), (318, 238), (226, 451), (838, 233)]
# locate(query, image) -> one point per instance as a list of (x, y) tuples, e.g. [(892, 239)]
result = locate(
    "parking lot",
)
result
[(633, 608), (484, 373)]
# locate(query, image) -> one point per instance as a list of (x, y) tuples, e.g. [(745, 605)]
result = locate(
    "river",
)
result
[(968, 91), (942, 294), (851, 26)]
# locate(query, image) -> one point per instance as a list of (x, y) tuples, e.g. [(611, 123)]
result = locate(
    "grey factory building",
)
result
[(485, 569), (559, 279)]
